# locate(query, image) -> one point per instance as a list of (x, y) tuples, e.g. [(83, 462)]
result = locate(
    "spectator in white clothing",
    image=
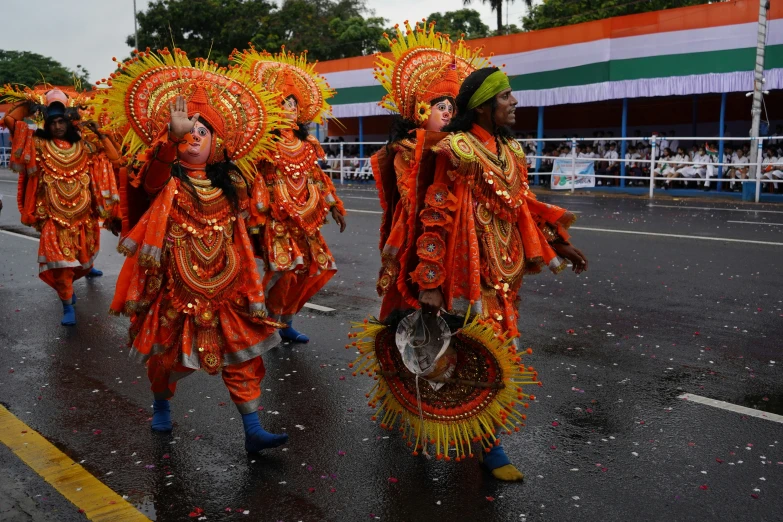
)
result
[(739, 170)]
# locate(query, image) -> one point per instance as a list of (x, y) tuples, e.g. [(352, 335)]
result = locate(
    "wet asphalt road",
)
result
[(607, 438)]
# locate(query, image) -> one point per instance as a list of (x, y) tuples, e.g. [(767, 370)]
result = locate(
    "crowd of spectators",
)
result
[(681, 164)]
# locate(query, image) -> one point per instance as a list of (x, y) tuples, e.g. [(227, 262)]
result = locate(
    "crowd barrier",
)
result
[(345, 167)]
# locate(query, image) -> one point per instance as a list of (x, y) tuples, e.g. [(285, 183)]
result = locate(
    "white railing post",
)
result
[(758, 168), (652, 167), (573, 164), (342, 167)]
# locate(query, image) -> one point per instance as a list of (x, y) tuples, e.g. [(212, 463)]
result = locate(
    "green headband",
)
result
[(492, 85)]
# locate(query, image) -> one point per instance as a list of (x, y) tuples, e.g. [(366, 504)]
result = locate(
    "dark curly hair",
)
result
[(466, 118), (71, 133)]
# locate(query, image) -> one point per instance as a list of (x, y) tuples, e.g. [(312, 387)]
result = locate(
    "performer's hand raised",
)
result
[(180, 123), (338, 218)]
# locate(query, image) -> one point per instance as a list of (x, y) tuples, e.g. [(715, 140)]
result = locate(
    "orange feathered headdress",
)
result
[(240, 110), (291, 75), (425, 66)]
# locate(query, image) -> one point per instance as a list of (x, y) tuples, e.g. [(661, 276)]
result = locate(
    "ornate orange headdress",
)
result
[(425, 66), (41, 96), (291, 75), (241, 112)]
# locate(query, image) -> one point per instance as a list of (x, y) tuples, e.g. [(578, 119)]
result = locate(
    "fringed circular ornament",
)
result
[(473, 403)]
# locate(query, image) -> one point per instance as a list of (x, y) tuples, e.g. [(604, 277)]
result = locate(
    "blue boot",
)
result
[(69, 314), (497, 463), (73, 299), (256, 439), (94, 272), (289, 334), (161, 415)]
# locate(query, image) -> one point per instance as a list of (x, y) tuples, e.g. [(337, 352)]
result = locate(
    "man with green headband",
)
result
[(480, 227)]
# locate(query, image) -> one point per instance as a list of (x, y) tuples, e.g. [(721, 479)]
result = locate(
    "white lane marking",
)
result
[(379, 212), (716, 209), (757, 223), (319, 307), (363, 211), (681, 236), (732, 407), (18, 235), (359, 197), (8, 181)]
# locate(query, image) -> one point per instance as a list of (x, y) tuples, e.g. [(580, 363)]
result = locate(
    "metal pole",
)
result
[(361, 137), (573, 164), (540, 144), (135, 26), (652, 166), (624, 145), (758, 87), (758, 168), (720, 133), (342, 159)]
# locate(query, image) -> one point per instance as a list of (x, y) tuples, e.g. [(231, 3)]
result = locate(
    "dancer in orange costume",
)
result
[(190, 283), (422, 79), (292, 195), (66, 185), (451, 375), (481, 228)]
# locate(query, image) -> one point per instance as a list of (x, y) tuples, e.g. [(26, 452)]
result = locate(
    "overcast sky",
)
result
[(90, 32)]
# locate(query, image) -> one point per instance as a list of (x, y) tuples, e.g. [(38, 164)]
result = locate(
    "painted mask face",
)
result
[(197, 152), (291, 109), (440, 115)]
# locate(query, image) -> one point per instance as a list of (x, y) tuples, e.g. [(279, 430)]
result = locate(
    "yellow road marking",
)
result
[(69, 478)]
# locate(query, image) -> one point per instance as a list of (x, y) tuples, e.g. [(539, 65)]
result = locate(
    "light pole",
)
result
[(758, 87), (135, 26)]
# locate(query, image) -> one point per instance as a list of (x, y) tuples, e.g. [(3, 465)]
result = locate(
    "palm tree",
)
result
[(497, 6)]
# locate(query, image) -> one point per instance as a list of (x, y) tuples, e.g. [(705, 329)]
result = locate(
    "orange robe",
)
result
[(64, 191), (191, 287), (395, 180), (291, 200), (477, 226)]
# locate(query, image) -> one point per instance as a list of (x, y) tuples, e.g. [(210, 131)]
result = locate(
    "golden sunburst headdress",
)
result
[(241, 112), (291, 75), (425, 66)]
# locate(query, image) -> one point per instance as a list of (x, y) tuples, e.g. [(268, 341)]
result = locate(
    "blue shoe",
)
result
[(161, 416), (73, 299), (69, 316), (258, 439), (94, 272), (289, 334)]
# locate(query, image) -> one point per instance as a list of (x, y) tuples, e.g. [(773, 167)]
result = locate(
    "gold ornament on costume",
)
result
[(291, 75), (425, 66), (241, 111)]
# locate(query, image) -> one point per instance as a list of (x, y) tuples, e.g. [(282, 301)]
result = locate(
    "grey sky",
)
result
[(90, 32)]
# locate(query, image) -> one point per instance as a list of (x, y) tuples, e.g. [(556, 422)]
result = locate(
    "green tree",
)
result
[(202, 28), (29, 69), (497, 6), (327, 29), (556, 13), (456, 23)]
